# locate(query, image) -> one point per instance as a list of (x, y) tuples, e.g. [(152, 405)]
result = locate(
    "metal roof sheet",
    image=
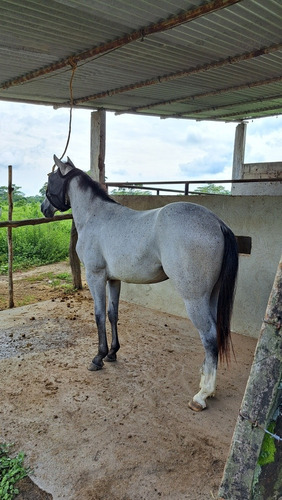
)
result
[(215, 60)]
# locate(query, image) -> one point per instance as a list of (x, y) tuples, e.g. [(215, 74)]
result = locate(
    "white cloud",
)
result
[(147, 148), (264, 140), (138, 148), (30, 135)]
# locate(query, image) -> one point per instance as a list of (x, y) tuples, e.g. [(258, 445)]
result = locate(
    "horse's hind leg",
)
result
[(114, 292), (200, 314)]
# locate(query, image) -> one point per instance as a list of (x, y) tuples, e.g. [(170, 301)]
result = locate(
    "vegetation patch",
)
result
[(33, 245), (50, 278), (268, 449), (28, 299), (11, 471)]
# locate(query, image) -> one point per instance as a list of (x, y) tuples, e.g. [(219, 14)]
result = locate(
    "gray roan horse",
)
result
[(181, 241)]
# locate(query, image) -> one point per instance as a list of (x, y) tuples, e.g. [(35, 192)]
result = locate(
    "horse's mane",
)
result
[(85, 182)]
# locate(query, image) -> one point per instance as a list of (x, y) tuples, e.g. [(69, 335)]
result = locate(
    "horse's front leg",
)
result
[(113, 301), (97, 285)]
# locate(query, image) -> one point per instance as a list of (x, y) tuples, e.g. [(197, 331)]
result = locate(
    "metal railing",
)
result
[(150, 185)]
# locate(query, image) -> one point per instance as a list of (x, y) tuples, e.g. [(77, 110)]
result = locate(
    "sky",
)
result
[(138, 148)]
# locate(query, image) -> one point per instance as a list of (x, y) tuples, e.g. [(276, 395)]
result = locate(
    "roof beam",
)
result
[(164, 25), (228, 106), (211, 93), (173, 76), (246, 114)]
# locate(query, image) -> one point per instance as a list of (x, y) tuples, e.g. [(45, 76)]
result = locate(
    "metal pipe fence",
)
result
[(151, 185)]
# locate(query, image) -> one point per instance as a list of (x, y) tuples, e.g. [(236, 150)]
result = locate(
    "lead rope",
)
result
[(74, 66)]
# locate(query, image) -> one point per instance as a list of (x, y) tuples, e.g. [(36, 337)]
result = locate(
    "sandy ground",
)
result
[(125, 432)]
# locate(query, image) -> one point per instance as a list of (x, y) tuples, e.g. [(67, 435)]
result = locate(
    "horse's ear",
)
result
[(70, 162), (58, 162)]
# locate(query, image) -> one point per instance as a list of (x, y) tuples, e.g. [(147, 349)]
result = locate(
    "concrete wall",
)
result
[(259, 217), (266, 170)]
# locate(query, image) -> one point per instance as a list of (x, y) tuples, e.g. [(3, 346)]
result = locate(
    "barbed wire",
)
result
[(254, 423)]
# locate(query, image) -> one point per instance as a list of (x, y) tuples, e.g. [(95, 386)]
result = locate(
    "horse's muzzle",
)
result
[(47, 209)]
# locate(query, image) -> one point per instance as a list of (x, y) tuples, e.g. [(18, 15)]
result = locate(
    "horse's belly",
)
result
[(138, 275)]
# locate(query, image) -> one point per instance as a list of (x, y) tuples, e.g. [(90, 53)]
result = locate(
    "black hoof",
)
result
[(93, 367), (110, 358)]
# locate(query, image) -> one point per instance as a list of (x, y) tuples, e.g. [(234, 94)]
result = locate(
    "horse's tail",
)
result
[(227, 280)]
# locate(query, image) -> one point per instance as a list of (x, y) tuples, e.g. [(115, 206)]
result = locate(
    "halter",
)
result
[(56, 191)]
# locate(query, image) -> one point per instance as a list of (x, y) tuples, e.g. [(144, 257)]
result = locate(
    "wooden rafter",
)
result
[(161, 26), (211, 93), (174, 76)]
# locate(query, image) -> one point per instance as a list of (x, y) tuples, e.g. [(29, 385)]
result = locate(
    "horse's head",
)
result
[(56, 192)]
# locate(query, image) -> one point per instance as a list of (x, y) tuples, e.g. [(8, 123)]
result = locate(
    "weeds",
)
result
[(11, 471)]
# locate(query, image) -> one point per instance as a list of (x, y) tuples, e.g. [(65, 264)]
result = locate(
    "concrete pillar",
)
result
[(97, 145), (239, 154), (239, 151)]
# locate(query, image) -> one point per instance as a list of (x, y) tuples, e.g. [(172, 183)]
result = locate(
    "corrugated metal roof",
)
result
[(215, 60)]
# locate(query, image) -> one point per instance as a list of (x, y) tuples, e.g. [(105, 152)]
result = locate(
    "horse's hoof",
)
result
[(93, 368), (110, 358), (193, 405)]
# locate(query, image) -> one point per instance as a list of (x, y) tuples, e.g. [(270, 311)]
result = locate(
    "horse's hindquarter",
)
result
[(191, 246)]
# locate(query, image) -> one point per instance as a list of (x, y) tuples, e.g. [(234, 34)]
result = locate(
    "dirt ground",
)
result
[(125, 432)]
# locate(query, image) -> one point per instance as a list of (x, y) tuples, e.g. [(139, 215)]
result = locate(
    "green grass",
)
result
[(11, 471), (34, 245), (268, 449), (53, 278), (62, 281), (29, 299)]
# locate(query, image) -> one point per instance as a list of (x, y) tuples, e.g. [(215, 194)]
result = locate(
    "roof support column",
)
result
[(98, 145), (239, 153)]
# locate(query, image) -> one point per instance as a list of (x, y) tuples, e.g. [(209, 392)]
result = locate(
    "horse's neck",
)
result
[(83, 204)]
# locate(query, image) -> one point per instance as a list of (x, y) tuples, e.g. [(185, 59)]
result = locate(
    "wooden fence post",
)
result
[(10, 238), (260, 414), (74, 260), (97, 160)]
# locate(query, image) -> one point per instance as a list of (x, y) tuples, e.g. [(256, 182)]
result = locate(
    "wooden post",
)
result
[(98, 145), (97, 165), (260, 408), (74, 260), (10, 238), (239, 153)]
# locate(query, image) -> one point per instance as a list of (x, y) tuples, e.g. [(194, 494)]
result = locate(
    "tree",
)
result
[(129, 191), (42, 191), (212, 189), (17, 194)]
